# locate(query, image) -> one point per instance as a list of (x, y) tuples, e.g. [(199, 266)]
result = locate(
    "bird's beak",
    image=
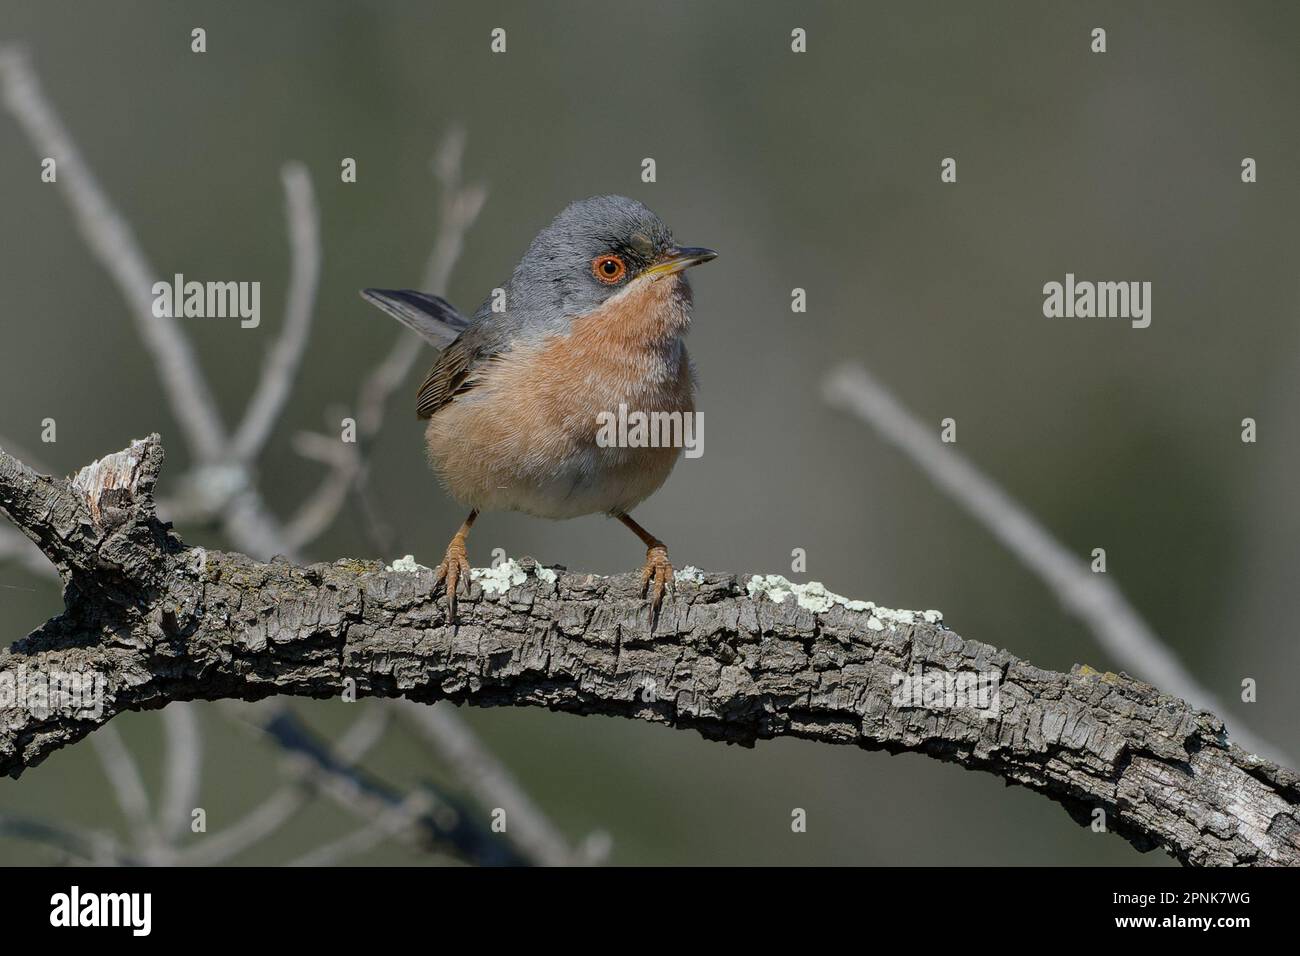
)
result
[(679, 258)]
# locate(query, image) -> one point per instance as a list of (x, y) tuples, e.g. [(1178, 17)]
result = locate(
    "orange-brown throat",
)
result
[(648, 312)]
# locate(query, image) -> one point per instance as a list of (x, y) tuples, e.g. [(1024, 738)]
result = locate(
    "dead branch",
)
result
[(160, 622)]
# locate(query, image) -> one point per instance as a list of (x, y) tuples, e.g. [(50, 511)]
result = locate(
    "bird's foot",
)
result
[(657, 573), (453, 570)]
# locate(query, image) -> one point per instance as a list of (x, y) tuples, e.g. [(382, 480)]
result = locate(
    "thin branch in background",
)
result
[(257, 825), (223, 487), (492, 784), (1094, 598), (458, 208), (390, 823), (77, 846), (182, 769), (112, 242), (128, 787), (380, 533), (247, 519), (245, 516), (286, 800), (320, 509), (421, 820), (446, 826), (303, 224)]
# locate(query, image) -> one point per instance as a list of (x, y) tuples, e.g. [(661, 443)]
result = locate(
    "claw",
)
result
[(454, 569), (657, 571)]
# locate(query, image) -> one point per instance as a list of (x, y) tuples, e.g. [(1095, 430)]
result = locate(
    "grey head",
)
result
[(589, 253), (592, 251)]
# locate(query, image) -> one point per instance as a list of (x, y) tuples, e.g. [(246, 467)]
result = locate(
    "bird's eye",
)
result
[(608, 268)]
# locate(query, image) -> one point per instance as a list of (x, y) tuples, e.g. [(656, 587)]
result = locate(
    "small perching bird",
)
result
[(591, 323)]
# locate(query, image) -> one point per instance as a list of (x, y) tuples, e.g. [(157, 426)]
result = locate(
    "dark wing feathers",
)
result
[(449, 377), (464, 345)]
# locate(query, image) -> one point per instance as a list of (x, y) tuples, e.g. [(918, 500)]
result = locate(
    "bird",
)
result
[(591, 320)]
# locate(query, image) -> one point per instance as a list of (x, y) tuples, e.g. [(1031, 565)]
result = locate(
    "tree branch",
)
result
[(1094, 598), (740, 662)]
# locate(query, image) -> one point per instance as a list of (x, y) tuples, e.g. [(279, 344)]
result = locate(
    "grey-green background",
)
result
[(818, 170)]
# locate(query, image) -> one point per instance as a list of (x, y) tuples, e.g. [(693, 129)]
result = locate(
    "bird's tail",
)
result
[(434, 318)]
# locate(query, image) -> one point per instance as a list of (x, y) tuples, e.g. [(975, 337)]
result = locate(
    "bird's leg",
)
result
[(455, 563), (657, 570)]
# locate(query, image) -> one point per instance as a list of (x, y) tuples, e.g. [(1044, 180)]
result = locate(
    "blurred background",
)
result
[(818, 170)]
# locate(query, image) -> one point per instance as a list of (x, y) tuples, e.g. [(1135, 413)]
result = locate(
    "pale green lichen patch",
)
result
[(500, 578), (690, 574), (509, 574), (816, 597), (494, 581), (771, 586), (407, 563)]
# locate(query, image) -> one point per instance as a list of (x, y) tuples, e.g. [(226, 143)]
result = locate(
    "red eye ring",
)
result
[(608, 268)]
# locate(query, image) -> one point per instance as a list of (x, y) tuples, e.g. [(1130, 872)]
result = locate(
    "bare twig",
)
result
[(459, 207), (114, 244), (257, 825), (182, 770), (77, 845), (491, 782), (1094, 598), (443, 825), (280, 807), (389, 823), (282, 363), (251, 524), (422, 819), (128, 787), (220, 482)]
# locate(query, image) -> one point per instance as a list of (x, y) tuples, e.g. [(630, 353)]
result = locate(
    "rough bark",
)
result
[(161, 622)]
